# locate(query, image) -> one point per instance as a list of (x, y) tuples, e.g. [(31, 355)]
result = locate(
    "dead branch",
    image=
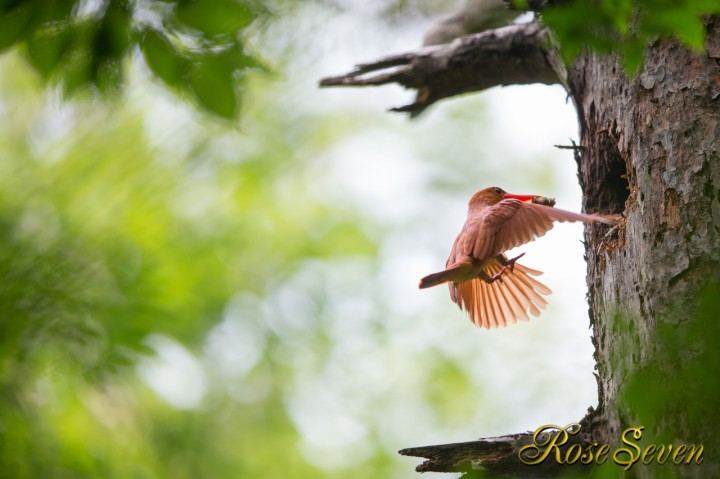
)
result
[(489, 457), (498, 456), (514, 55)]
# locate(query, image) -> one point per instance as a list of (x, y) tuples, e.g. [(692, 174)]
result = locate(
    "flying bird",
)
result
[(493, 289)]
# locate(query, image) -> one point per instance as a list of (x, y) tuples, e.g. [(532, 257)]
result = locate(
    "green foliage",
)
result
[(197, 48), (215, 17), (108, 235), (685, 379), (194, 47), (627, 26), (211, 79)]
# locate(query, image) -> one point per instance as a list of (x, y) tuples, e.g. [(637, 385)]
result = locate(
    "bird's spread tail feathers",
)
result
[(496, 304)]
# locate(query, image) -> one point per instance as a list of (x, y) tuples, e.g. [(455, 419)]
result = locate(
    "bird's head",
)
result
[(493, 195)]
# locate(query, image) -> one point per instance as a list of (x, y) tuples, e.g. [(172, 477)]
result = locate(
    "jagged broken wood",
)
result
[(518, 54), (498, 456)]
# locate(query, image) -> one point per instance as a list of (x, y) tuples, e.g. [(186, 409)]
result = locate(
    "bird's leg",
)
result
[(491, 279), (508, 262), (505, 263)]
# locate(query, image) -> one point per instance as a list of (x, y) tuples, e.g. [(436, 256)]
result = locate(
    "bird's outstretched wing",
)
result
[(512, 223), (501, 302)]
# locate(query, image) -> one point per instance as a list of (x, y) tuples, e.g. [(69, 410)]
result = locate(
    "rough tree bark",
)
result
[(661, 132), (649, 149)]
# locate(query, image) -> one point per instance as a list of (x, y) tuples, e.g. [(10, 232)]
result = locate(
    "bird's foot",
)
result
[(511, 262), (497, 276)]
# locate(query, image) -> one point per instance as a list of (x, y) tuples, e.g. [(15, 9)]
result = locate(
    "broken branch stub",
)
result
[(498, 456), (513, 55)]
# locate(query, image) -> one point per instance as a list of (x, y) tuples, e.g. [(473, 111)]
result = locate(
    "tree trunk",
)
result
[(650, 149)]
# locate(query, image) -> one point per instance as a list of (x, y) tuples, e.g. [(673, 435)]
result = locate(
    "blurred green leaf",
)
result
[(46, 49), (683, 23), (216, 17), (76, 70), (13, 22), (48, 12), (110, 45), (633, 56), (686, 377), (163, 59), (83, 47), (213, 80), (626, 26)]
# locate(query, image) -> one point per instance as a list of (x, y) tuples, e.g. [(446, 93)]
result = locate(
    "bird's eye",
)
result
[(498, 191)]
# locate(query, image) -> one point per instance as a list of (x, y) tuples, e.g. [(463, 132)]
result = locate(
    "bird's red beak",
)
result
[(520, 197)]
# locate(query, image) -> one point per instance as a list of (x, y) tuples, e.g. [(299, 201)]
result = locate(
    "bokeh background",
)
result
[(187, 297)]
